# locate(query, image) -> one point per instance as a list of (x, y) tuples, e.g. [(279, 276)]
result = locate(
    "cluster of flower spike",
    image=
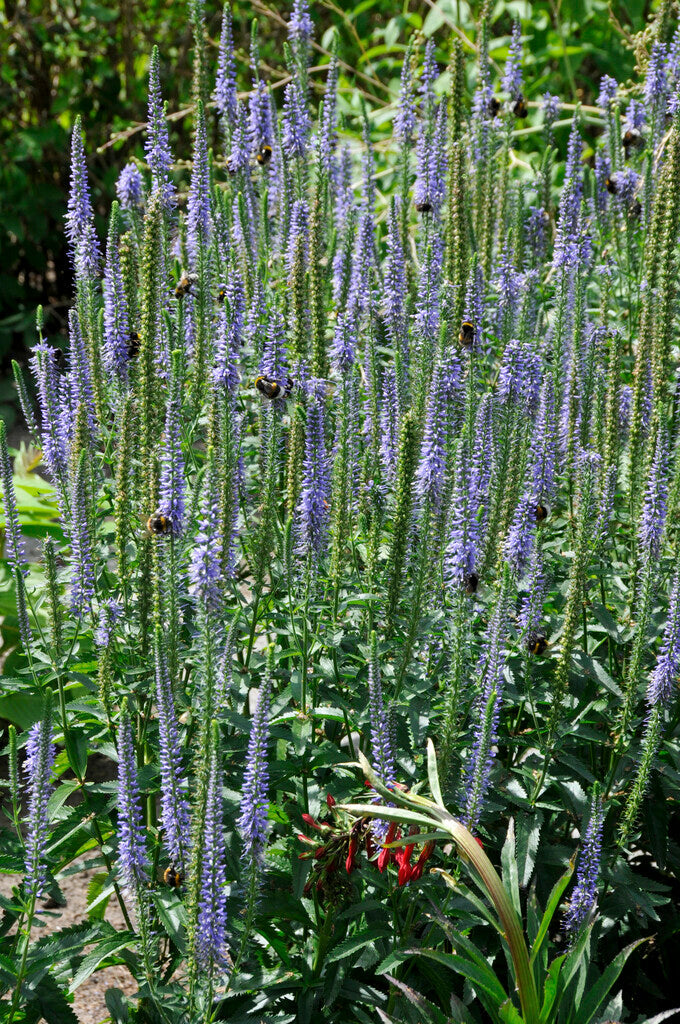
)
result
[(282, 381)]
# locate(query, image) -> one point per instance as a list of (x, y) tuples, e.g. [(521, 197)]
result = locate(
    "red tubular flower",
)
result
[(351, 863), (425, 853), (309, 820), (403, 859), (330, 801), (385, 854)]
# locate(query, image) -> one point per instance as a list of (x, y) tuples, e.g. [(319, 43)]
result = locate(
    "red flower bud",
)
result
[(309, 820), (405, 872), (385, 854), (330, 801), (350, 863)]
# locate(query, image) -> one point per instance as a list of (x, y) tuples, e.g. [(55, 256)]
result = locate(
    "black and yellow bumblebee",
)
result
[(184, 284), (134, 342), (172, 877), (632, 139), (159, 525), (541, 513), (493, 107), (222, 294), (466, 335), (635, 209), (611, 185), (520, 109), (271, 388), (537, 644), (264, 154), (471, 582), (425, 206), (59, 357)]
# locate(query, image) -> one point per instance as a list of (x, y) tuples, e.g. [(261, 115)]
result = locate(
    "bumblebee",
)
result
[(471, 582), (184, 284), (541, 513), (636, 209), (273, 388), (134, 342), (493, 107), (632, 139), (520, 109), (264, 154), (424, 207), (611, 186), (466, 335), (222, 294), (59, 357), (172, 877), (159, 525), (537, 644)]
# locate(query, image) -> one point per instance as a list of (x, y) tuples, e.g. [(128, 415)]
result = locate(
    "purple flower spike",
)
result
[(15, 552), (225, 82), (116, 340), (82, 565), (381, 740), (568, 238), (252, 821), (344, 343), (522, 534), (157, 147), (204, 568), (109, 614), (543, 446), (551, 109), (584, 896), (328, 136), (464, 543), (512, 76), (80, 213), (429, 482), (211, 949), (608, 87), (53, 436), (296, 124), (239, 157), (664, 678), (131, 848), (37, 772), (172, 482), (655, 505), (79, 376), (174, 804), (300, 26), (389, 422), (260, 118), (312, 517), (405, 119), (130, 187), (199, 220)]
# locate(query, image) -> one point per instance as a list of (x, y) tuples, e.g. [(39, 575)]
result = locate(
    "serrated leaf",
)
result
[(509, 867), (509, 1013), (528, 839), (106, 948), (598, 992), (52, 1002), (356, 942)]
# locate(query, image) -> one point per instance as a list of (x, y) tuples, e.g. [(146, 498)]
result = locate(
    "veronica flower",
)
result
[(487, 714), (53, 436), (198, 205), (252, 821), (655, 506), (522, 533), (295, 122), (428, 190), (298, 230), (239, 158), (261, 128), (429, 480), (116, 337), (428, 306), (172, 483), (80, 377), (328, 137), (473, 310), (531, 607), (464, 540), (80, 217), (512, 76), (15, 552), (656, 82), (225, 82), (109, 614), (300, 26), (566, 252), (389, 426), (273, 361), (40, 753), (82, 564), (636, 117), (664, 677), (584, 896), (312, 515), (405, 118), (607, 95), (382, 745), (157, 146), (550, 106), (344, 344), (130, 187), (212, 901), (342, 180), (395, 278), (174, 804), (428, 77), (131, 847), (543, 446), (204, 567)]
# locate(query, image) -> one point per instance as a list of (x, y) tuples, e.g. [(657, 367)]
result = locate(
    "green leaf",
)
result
[(433, 774), (98, 896), (597, 993), (509, 867), (52, 1002), (551, 988), (509, 1013), (528, 839), (357, 942), (104, 949), (172, 914), (551, 906)]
